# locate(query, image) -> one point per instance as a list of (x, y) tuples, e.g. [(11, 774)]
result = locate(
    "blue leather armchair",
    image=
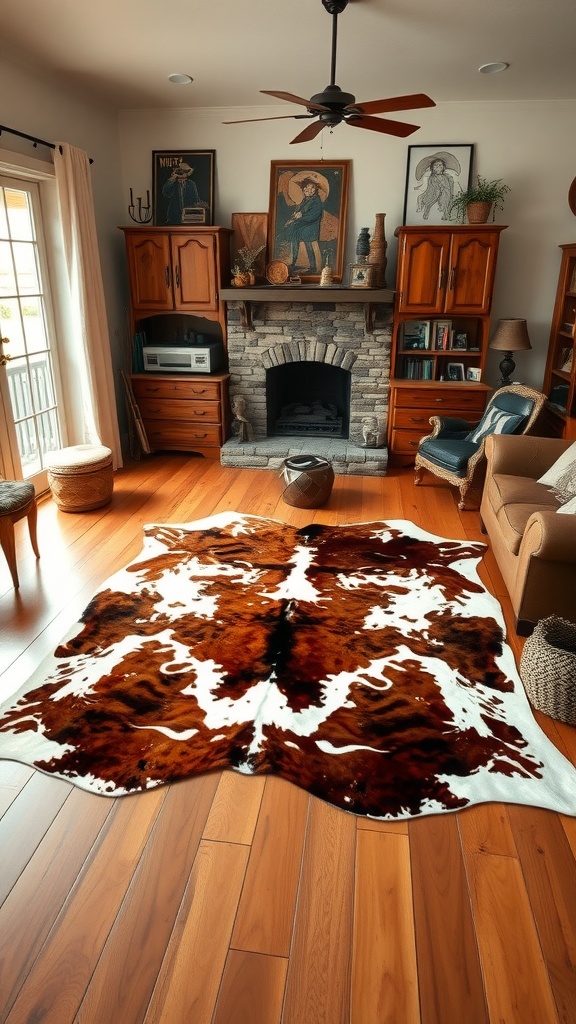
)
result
[(454, 451)]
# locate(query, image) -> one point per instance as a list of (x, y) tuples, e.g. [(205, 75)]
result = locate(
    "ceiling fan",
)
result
[(332, 106)]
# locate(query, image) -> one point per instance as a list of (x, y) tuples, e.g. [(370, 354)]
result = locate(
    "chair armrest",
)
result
[(523, 454), (449, 427), (550, 536)]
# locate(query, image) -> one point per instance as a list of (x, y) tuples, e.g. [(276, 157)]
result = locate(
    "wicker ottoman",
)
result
[(80, 477), (548, 668), (308, 481)]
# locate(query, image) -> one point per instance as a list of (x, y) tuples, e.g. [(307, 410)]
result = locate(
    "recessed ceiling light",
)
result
[(178, 79), (493, 69)]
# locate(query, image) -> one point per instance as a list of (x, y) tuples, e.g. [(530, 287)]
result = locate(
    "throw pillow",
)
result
[(569, 508), (561, 476), (495, 421)]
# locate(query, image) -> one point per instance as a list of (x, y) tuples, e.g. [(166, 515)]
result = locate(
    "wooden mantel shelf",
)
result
[(245, 297)]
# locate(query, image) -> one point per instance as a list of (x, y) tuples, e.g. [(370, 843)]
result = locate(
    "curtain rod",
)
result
[(32, 138)]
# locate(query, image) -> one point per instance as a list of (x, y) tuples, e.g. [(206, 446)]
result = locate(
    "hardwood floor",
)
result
[(234, 900)]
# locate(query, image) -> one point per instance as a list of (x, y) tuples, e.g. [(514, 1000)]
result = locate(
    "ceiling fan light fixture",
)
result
[(179, 79), (494, 68)]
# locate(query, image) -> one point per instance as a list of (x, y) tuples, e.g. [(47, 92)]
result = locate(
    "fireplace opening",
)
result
[(308, 399)]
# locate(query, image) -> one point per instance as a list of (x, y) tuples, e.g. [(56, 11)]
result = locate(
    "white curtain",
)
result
[(91, 358)]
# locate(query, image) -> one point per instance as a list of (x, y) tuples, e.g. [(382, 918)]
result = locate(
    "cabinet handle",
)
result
[(167, 276), (452, 279), (177, 278), (442, 283)]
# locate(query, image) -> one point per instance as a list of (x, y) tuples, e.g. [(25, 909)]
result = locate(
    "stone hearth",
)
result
[(307, 332)]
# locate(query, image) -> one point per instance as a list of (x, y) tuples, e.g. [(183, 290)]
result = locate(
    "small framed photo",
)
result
[(360, 275), (473, 373), (442, 333), (183, 186), (455, 371), (434, 176), (416, 334), (460, 341)]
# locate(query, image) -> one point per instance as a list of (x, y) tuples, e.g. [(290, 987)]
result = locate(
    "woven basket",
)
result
[(548, 668)]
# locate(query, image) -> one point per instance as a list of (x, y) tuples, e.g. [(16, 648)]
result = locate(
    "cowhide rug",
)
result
[(364, 663)]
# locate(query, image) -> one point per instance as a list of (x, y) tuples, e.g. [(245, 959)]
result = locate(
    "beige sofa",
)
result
[(534, 546)]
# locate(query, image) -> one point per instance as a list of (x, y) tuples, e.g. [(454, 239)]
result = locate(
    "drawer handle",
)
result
[(414, 443), (200, 435), (417, 419), (198, 412), (199, 391)]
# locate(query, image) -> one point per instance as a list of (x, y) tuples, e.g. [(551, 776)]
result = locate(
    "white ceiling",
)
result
[(123, 50)]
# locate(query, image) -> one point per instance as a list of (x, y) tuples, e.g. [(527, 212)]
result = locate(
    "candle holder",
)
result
[(139, 212)]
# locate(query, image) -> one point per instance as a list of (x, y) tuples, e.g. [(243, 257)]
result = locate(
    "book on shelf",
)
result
[(417, 369), (416, 334), (442, 334)]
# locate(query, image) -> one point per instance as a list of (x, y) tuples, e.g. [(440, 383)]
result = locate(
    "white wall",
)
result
[(529, 145)]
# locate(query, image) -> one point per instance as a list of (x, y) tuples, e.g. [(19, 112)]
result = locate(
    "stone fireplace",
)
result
[(311, 374)]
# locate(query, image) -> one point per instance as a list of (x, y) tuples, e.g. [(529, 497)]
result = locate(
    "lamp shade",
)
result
[(510, 336)]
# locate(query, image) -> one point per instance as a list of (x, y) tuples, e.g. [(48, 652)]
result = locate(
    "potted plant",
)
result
[(479, 199), (243, 271)]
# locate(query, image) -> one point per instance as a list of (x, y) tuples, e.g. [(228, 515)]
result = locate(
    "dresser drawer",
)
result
[(175, 409), (443, 397), (181, 435), (405, 442), (208, 390)]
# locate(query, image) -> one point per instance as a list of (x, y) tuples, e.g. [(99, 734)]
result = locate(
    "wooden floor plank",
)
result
[(43, 887), (235, 808), (486, 829), (127, 970), (25, 823), (318, 983), (549, 874), (252, 989), (13, 778), (266, 909), (189, 981), (516, 980), (57, 982), (450, 977), (384, 968)]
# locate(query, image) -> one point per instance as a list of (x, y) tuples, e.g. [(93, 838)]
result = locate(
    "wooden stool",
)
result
[(80, 477), (309, 481), (17, 499)]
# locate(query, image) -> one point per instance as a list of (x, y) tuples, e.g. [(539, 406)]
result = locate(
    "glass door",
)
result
[(30, 423)]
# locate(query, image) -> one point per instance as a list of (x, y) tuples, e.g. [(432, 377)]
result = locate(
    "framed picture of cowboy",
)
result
[(307, 216), (434, 176), (183, 186)]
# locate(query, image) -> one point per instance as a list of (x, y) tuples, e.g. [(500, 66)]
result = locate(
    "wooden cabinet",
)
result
[(560, 374), (412, 406), (184, 413), (446, 270), (178, 270), (441, 328)]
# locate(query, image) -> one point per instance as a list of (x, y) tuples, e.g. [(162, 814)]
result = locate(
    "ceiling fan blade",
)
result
[(279, 117), (382, 124), (291, 98), (417, 99), (310, 132)]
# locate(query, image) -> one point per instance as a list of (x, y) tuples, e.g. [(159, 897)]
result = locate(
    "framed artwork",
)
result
[(460, 341), (434, 176), (360, 275), (416, 334), (183, 186), (455, 371), (473, 373), (307, 216)]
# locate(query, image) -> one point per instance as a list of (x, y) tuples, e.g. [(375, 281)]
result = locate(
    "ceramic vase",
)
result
[(377, 255)]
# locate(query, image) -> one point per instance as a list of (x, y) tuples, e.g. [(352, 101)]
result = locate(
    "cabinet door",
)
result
[(194, 269), (149, 268), (471, 275), (423, 265)]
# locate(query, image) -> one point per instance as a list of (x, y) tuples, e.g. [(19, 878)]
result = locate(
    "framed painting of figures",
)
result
[(307, 216)]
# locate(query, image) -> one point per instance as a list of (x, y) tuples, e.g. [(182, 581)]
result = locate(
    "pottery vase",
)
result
[(377, 257), (363, 245)]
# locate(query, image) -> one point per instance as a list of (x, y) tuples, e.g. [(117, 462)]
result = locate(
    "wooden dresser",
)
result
[(184, 413), (412, 406)]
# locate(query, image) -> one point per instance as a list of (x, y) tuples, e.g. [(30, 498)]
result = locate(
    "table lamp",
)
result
[(510, 336)]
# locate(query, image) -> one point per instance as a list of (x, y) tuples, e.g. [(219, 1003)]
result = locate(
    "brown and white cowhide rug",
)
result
[(365, 663)]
